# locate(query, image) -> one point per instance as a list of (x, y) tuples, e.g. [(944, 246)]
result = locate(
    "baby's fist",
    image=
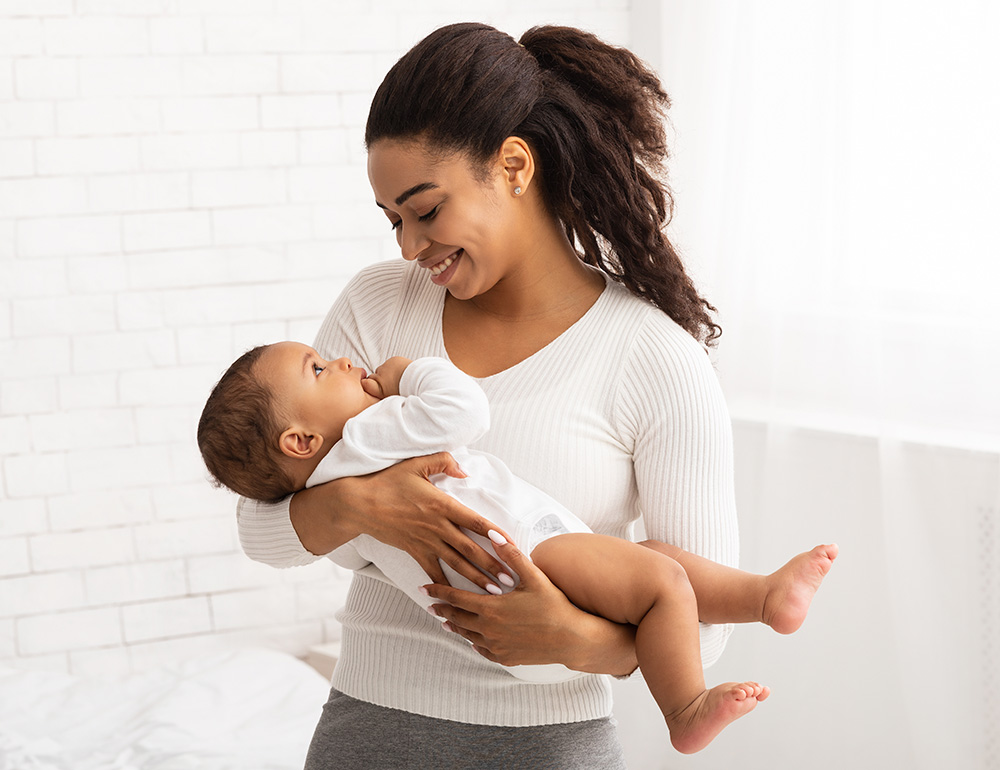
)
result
[(387, 377)]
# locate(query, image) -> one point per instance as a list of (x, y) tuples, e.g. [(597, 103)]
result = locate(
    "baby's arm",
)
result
[(384, 381), (438, 409)]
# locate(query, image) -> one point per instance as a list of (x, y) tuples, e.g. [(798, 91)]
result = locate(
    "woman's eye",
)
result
[(317, 369), (423, 218)]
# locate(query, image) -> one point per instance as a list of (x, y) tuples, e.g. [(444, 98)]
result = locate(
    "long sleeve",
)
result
[(671, 406)]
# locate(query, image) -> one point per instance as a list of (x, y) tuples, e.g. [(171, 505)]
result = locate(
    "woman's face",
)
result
[(455, 224)]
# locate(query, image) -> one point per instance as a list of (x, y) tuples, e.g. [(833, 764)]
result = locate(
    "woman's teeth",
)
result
[(440, 267)]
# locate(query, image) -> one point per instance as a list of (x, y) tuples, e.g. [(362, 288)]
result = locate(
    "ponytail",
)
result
[(593, 116)]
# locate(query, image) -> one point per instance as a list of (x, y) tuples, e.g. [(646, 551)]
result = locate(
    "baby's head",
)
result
[(274, 415)]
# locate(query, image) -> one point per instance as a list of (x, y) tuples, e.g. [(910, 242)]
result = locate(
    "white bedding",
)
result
[(250, 709)]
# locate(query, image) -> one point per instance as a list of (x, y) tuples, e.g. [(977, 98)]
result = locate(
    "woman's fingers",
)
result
[(458, 601), (478, 641), (427, 523), (468, 550), (462, 622), (488, 654), (512, 556), (433, 569), (431, 564), (466, 554), (532, 624)]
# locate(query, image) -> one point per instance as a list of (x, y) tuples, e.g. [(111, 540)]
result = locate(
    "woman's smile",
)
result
[(442, 271)]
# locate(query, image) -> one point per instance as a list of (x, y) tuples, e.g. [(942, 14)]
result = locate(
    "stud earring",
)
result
[(517, 191)]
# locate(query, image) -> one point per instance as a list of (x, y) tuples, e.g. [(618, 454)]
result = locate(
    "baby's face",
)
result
[(322, 395)]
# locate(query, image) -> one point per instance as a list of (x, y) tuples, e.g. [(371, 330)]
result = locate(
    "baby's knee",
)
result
[(670, 577)]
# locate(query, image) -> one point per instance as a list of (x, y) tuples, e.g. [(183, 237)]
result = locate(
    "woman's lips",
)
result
[(445, 263)]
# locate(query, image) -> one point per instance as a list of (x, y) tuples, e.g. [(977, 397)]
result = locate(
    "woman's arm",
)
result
[(412, 515), (682, 439)]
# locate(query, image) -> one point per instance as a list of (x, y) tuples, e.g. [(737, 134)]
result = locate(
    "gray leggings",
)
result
[(354, 735)]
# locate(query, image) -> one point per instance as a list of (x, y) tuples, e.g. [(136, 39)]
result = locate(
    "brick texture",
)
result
[(179, 180)]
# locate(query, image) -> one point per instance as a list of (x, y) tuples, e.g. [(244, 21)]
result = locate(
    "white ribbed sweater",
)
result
[(621, 416)]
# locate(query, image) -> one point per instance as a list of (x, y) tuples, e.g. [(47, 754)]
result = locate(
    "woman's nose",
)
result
[(412, 242)]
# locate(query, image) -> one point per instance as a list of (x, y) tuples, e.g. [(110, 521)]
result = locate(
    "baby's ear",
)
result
[(298, 444)]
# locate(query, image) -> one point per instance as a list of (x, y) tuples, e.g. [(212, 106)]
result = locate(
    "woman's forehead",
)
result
[(397, 167)]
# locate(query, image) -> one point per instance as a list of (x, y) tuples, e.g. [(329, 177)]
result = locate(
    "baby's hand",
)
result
[(384, 381)]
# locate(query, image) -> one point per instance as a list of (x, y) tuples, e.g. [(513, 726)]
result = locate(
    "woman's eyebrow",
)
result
[(417, 188)]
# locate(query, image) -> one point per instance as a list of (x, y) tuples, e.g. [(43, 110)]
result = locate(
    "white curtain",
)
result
[(837, 176)]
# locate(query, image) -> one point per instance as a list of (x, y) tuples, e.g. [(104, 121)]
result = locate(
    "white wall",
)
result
[(179, 180), (896, 665)]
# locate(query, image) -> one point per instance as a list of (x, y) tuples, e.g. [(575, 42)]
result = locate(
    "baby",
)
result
[(282, 418)]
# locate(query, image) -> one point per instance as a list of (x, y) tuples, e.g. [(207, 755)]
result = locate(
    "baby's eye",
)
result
[(317, 369)]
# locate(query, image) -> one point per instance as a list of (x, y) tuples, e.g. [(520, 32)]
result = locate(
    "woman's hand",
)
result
[(400, 507), (535, 624)]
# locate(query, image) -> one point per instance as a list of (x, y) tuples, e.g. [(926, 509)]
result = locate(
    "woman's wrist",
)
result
[(603, 647), (321, 523)]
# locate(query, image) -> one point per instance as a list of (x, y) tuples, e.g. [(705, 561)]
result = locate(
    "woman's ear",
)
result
[(518, 165), (298, 444)]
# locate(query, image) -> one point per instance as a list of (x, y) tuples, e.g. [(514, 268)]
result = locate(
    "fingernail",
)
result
[(506, 579), (495, 590), (447, 626), (432, 611), (424, 591), (496, 537)]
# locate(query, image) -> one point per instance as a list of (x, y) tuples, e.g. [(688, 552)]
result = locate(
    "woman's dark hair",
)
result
[(238, 433), (593, 115)]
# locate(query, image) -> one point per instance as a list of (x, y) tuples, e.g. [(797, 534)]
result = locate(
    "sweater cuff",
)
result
[(267, 534)]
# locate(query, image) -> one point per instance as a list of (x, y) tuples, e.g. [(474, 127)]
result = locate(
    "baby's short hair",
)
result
[(238, 433)]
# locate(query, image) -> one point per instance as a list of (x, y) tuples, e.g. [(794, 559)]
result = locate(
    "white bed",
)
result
[(249, 709)]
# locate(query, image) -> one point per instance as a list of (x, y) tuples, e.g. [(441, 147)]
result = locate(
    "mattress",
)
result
[(247, 709)]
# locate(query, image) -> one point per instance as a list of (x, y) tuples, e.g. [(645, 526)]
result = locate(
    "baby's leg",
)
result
[(626, 583), (727, 595)]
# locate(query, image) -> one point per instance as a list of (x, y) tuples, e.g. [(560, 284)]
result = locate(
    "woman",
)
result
[(494, 162)]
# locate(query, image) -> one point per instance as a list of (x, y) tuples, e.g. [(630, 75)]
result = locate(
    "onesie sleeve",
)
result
[(671, 408), (439, 408), (354, 327)]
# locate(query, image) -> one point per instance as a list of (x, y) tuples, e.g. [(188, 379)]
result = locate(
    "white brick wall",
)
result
[(179, 180)]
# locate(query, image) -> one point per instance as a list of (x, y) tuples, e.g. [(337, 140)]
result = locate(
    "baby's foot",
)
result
[(696, 726), (791, 588)]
